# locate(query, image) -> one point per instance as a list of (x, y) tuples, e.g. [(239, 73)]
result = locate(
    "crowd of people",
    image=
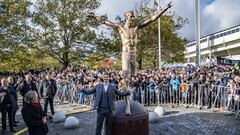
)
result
[(211, 86)]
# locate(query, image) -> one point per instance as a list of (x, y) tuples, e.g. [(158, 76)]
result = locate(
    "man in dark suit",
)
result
[(48, 90), (26, 86), (104, 103)]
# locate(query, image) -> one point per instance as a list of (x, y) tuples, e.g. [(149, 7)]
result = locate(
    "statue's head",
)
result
[(129, 16)]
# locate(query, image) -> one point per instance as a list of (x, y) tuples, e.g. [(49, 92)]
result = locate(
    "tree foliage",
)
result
[(172, 45), (57, 31), (13, 32), (62, 30)]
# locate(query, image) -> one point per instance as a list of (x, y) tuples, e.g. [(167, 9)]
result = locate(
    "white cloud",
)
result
[(216, 15), (115, 7), (224, 13), (185, 9)]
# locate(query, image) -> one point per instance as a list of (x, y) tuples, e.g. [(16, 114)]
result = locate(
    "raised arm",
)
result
[(103, 20), (88, 92), (154, 17)]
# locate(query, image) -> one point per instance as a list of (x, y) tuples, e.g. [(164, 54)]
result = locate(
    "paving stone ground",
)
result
[(66, 108), (177, 121)]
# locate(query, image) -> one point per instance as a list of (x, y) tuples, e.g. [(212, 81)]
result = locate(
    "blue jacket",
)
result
[(175, 84)]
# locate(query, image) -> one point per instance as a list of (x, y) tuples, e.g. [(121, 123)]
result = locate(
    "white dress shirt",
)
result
[(105, 86)]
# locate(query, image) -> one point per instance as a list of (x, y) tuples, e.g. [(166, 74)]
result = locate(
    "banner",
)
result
[(224, 61)]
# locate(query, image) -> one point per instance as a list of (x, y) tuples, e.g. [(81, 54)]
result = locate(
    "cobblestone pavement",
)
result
[(182, 121), (178, 121), (66, 108)]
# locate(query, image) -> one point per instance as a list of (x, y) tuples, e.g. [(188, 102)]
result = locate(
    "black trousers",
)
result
[(14, 116), (108, 122), (7, 110), (50, 100)]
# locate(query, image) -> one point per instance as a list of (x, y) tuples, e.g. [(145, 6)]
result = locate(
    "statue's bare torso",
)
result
[(128, 34)]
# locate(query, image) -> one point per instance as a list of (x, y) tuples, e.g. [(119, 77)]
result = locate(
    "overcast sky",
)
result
[(216, 15)]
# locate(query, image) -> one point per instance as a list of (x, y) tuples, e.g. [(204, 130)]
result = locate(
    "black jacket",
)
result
[(33, 119), (25, 87), (13, 95), (48, 89), (6, 99)]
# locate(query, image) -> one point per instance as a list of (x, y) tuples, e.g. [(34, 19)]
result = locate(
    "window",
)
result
[(229, 32), (225, 33), (237, 30), (233, 31), (221, 35)]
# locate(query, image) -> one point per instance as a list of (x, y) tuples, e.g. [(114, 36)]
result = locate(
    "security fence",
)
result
[(213, 97)]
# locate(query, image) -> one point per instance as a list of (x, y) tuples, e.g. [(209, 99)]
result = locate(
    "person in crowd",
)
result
[(183, 91), (202, 91), (174, 82), (209, 87), (165, 89), (152, 87), (104, 103), (14, 99), (33, 115), (48, 90), (26, 86), (6, 106)]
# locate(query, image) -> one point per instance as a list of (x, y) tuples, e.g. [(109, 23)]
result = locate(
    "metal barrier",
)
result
[(69, 93), (197, 95)]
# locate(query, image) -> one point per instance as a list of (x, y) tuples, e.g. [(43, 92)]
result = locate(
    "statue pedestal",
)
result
[(135, 124)]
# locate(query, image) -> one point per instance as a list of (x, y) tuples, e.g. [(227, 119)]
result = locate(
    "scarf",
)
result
[(36, 105)]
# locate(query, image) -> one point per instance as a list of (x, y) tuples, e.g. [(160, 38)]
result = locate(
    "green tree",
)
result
[(14, 32), (13, 26), (172, 45), (62, 30)]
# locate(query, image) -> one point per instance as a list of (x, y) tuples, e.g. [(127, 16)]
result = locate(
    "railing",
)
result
[(201, 96), (69, 93), (197, 95)]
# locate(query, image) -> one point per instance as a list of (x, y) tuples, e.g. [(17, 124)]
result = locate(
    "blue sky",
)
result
[(216, 15)]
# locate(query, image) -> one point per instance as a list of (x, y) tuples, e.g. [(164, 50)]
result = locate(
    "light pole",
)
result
[(197, 32), (159, 39)]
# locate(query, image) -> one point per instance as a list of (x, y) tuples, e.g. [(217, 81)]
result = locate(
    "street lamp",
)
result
[(159, 39)]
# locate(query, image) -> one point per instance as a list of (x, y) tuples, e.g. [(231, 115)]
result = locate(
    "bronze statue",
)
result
[(128, 33)]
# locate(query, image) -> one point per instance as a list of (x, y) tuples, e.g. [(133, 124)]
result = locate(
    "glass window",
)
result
[(225, 33), (221, 34), (229, 32), (233, 31), (237, 30)]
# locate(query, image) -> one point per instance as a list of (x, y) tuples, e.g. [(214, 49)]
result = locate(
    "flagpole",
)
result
[(197, 32), (159, 39)]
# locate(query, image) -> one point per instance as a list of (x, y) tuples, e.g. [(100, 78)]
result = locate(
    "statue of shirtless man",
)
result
[(128, 33)]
